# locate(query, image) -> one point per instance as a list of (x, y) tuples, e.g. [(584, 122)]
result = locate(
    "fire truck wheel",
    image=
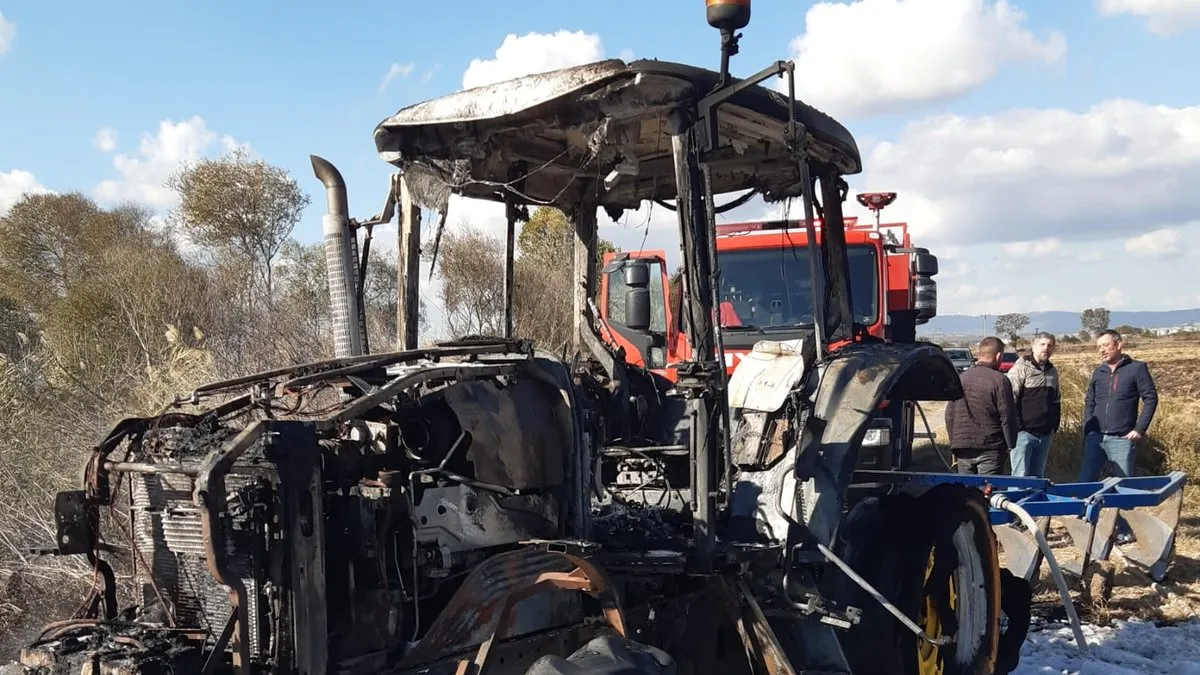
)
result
[(607, 654), (935, 558)]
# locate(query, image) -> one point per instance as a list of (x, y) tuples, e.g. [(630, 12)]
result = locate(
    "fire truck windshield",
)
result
[(772, 289)]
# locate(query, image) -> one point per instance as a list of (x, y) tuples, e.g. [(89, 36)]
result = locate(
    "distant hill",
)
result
[(1057, 322)]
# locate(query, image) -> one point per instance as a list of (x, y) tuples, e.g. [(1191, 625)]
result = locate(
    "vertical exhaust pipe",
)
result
[(341, 263)]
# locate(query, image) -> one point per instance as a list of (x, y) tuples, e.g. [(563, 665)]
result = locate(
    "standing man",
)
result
[(1111, 422), (983, 424), (1039, 407)]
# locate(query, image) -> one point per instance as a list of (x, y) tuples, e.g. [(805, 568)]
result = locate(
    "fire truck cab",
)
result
[(765, 293)]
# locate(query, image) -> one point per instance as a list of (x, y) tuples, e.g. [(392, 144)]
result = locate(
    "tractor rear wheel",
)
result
[(935, 558)]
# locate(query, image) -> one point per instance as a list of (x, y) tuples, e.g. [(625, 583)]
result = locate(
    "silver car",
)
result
[(960, 357)]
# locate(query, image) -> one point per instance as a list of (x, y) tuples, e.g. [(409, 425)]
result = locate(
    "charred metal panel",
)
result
[(839, 319), (75, 520), (579, 455), (293, 446), (502, 582), (518, 435), (462, 518)]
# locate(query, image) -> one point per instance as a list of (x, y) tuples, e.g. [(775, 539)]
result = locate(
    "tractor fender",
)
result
[(852, 385)]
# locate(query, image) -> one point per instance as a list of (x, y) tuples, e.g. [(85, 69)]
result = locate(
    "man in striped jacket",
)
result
[(1039, 407)]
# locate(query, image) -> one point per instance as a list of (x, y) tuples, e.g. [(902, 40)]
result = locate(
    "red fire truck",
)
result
[(765, 295)]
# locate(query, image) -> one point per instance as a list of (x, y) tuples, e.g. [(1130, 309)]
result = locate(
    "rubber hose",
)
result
[(1001, 501)]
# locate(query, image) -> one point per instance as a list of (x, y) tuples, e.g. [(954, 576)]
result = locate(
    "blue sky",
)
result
[(1047, 151)]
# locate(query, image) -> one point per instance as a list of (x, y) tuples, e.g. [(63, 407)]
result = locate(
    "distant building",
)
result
[(1172, 330)]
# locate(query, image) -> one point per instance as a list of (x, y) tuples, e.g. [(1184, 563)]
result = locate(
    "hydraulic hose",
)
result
[(1001, 501)]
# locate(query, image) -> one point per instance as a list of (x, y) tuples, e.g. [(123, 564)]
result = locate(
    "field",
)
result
[(1173, 443)]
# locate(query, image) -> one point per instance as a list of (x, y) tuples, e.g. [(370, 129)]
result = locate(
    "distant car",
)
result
[(960, 357), (1007, 359)]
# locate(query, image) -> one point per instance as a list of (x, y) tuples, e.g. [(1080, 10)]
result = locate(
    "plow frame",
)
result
[(1090, 512)]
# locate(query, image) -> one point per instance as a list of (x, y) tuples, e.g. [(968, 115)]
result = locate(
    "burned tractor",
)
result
[(484, 506)]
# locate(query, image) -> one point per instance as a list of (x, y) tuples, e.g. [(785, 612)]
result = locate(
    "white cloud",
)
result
[(15, 184), (143, 175), (1164, 243), (8, 34), (976, 292), (872, 56), (1113, 299), (105, 140), (1032, 174), (1036, 248), (1163, 17), (534, 53), (394, 71)]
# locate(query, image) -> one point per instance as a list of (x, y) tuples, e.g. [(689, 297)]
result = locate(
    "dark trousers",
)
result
[(983, 462)]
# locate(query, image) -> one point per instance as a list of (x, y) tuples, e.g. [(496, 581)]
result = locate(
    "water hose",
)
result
[(1001, 501)]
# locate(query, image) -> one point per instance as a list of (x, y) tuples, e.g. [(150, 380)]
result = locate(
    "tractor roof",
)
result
[(574, 126)]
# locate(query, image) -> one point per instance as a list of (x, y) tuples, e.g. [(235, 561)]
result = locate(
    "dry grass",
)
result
[(48, 439)]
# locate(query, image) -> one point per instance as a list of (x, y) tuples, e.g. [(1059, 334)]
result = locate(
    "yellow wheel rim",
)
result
[(928, 657)]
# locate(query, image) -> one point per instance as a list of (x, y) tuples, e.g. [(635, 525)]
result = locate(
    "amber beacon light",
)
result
[(727, 15)]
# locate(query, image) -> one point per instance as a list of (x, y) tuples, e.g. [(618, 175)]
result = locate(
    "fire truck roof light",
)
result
[(876, 201)]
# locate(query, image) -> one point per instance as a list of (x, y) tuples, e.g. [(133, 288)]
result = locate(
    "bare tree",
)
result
[(241, 204), (545, 271), (471, 263), (1011, 325), (102, 286)]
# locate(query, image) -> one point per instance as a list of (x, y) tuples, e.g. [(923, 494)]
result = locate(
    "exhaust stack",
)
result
[(341, 262)]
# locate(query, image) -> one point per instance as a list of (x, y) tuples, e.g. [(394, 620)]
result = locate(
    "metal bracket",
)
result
[(708, 135)]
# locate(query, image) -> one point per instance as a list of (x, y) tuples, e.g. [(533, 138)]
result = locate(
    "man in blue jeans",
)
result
[(1039, 407), (1111, 422)]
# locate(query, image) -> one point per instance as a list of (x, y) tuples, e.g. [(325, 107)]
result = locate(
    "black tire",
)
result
[(607, 654), (1016, 602), (935, 558)]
